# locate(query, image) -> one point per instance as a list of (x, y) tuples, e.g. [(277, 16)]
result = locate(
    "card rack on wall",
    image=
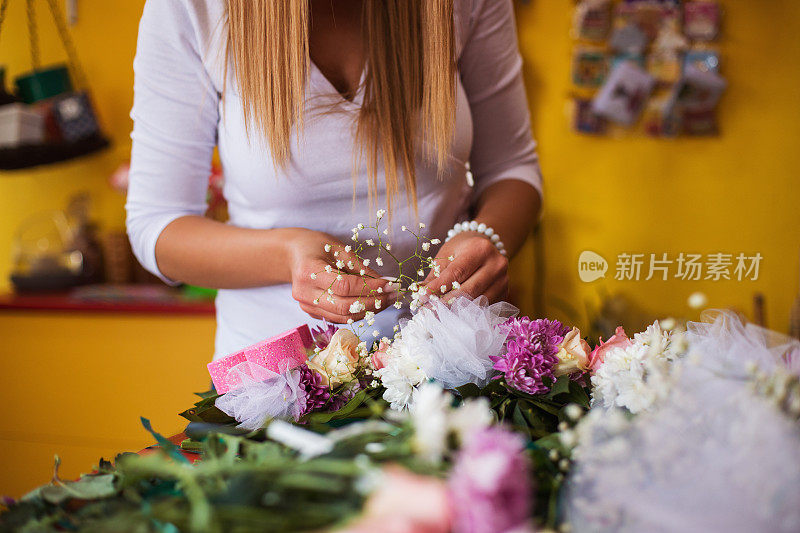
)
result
[(648, 67)]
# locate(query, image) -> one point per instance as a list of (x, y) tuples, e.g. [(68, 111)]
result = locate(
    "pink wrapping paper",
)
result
[(278, 353)]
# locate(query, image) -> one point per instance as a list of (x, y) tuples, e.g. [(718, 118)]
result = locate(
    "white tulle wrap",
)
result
[(450, 343), (262, 395), (714, 455)]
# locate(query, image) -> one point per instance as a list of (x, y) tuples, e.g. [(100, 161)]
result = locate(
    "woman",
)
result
[(323, 111)]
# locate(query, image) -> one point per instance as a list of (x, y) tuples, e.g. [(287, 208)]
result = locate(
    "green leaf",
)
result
[(207, 394), (171, 449), (470, 390), (88, 487), (346, 411), (561, 386)]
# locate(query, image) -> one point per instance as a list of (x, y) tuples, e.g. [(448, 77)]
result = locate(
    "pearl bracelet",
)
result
[(478, 227)]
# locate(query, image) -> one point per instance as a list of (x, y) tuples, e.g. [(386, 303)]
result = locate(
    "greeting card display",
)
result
[(648, 66), (624, 94)]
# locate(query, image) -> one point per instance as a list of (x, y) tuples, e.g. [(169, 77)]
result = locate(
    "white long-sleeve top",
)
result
[(181, 113)]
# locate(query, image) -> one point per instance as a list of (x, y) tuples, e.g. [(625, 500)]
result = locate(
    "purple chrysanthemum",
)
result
[(344, 396), (317, 393), (490, 483), (530, 354), (322, 335)]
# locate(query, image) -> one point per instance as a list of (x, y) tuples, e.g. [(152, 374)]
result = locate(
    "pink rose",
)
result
[(405, 502), (618, 340), (380, 356)]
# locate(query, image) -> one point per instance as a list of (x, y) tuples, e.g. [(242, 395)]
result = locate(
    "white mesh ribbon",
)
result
[(713, 456), (262, 395), (458, 338)]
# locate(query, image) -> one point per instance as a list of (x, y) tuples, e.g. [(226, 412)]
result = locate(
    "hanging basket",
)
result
[(67, 123)]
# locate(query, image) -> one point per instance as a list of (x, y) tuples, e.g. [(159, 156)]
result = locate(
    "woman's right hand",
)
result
[(310, 282)]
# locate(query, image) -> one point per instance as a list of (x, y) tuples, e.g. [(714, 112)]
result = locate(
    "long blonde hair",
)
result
[(409, 87)]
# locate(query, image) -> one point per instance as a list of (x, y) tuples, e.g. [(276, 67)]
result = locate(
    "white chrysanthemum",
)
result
[(429, 415), (435, 420), (472, 416), (637, 376), (714, 455), (401, 376)]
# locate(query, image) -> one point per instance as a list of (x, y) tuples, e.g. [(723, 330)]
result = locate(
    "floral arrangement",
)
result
[(471, 419)]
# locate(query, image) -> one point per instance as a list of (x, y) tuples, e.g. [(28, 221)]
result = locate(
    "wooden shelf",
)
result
[(111, 299)]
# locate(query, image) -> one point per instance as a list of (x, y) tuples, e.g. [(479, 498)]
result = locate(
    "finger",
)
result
[(458, 271), (475, 285), (313, 296), (319, 314), (363, 281), (498, 292)]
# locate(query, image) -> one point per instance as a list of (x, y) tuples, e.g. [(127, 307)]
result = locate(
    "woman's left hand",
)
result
[(478, 267)]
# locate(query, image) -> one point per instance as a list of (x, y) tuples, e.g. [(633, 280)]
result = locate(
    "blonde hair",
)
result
[(409, 86)]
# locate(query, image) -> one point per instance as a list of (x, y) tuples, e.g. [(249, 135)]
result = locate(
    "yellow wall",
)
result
[(76, 384), (735, 193)]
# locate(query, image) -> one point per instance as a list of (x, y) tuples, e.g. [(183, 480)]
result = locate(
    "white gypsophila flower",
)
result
[(327, 247), (426, 246), (356, 307), (379, 214), (348, 248), (379, 261), (369, 242)]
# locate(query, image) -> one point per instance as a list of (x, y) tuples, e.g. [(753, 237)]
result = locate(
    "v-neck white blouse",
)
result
[(181, 113)]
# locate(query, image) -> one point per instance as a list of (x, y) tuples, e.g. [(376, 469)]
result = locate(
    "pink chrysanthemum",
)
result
[(490, 484), (530, 354)]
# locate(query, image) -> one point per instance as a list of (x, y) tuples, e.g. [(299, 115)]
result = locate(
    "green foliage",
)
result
[(243, 481)]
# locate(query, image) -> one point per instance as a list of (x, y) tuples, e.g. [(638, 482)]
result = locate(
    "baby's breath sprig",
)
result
[(411, 270)]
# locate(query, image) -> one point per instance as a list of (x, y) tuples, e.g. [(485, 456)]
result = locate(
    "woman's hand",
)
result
[(478, 268), (309, 256)]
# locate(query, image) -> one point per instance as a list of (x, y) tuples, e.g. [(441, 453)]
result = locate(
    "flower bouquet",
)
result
[(470, 419)]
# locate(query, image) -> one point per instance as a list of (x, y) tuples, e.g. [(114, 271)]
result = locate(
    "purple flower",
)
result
[(317, 393), (490, 484), (531, 353), (323, 334), (344, 396)]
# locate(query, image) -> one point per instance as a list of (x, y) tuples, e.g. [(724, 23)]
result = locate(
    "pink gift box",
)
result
[(277, 354)]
